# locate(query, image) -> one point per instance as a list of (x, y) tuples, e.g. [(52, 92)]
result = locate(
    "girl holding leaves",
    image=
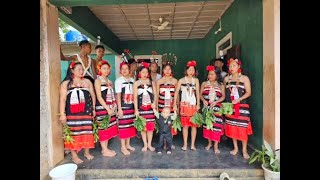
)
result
[(106, 108), (212, 94), (124, 92), (77, 104), (238, 89), (143, 90), (189, 104)]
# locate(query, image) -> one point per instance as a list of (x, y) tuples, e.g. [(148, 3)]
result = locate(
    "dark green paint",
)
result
[(244, 19)]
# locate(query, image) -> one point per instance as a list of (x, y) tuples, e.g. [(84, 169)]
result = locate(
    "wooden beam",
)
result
[(72, 3)]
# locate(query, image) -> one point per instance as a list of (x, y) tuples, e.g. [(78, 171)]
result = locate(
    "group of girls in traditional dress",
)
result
[(136, 92)]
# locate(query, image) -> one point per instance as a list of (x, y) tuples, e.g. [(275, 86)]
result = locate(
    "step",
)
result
[(166, 174)]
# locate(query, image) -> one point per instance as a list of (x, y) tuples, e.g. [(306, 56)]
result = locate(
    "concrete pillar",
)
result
[(271, 72), (51, 142)]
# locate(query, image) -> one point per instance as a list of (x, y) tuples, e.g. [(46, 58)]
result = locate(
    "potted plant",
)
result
[(270, 161)]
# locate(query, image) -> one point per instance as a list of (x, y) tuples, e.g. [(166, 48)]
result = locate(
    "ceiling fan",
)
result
[(162, 26)]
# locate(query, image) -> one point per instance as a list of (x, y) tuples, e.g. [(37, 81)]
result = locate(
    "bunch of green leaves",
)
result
[(156, 126), (176, 124), (140, 123), (209, 117), (67, 134), (197, 119), (226, 108), (269, 158), (95, 132), (105, 122)]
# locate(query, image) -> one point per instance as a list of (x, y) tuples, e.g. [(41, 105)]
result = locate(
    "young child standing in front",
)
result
[(165, 122)]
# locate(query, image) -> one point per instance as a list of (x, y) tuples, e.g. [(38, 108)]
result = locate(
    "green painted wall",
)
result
[(244, 19), (185, 50), (110, 58)]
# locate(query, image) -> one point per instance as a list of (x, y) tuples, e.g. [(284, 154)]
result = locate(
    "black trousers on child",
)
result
[(162, 137)]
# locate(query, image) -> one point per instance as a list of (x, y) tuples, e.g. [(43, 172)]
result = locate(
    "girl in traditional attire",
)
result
[(126, 116), (189, 104), (212, 94), (106, 105), (143, 90), (238, 89), (77, 104)]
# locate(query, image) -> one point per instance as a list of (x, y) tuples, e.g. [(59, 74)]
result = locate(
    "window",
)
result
[(224, 44)]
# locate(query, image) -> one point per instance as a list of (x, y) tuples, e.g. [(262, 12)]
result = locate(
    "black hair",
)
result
[(70, 74), (140, 68), (195, 69), (131, 60), (84, 42), (99, 46), (212, 61), (218, 74), (165, 65)]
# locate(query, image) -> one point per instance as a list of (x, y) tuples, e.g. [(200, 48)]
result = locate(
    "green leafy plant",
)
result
[(269, 158), (156, 126), (226, 108), (95, 132), (140, 123), (197, 119), (105, 122), (67, 134), (209, 117), (176, 124)]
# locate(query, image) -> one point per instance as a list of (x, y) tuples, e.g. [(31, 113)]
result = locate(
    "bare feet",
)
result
[(144, 148), (109, 153), (130, 148), (184, 148), (88, 156), (216, 151), (245, 155), (125, 151), (77, 160), (193, 148), (151, 148), (234, 152), (208, 147)]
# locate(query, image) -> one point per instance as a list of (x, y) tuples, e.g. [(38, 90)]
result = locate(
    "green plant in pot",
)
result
[(270, 161)]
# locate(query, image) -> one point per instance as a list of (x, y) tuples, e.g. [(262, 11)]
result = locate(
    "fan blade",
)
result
[(154, 26), (165, 23)]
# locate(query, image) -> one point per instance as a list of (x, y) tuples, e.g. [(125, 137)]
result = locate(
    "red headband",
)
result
[(236, 60), (101, 63), (123, 63), (192, 63), (145, 65), (210, 68), (72, 64)]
